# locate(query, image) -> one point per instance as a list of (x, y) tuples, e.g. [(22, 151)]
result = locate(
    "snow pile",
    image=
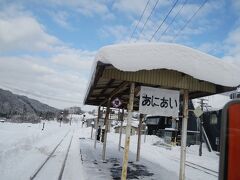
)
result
[(147, 56)]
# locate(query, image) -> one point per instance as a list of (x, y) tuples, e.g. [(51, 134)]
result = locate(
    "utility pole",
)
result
[(202, 104)]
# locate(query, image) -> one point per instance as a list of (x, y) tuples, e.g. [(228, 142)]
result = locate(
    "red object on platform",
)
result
[(233, 172)]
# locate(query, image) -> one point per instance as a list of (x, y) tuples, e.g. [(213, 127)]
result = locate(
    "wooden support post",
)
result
[(145, 133), (120, 132), (91, 130), (96, 126), (184, 136), (106, 130), (139, 137), (128, 129)]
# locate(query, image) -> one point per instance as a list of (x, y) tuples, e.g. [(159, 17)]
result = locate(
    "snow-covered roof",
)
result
[(147, 56), (164, 56)]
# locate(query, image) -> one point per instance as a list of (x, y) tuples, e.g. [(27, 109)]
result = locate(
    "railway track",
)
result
[(37, 173), (202, 168), (199, 167)]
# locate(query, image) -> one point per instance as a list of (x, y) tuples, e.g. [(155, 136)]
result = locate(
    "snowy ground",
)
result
[(24, 147)]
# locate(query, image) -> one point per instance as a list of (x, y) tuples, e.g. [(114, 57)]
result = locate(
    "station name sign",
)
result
[(156, 101)]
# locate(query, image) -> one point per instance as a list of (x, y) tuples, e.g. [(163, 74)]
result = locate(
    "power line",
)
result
[(139, 20), (173, 20), (40, 96), (173, 6), (155, 5), (189, 20)]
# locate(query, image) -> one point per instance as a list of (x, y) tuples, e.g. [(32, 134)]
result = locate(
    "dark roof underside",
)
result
[(110, 83)]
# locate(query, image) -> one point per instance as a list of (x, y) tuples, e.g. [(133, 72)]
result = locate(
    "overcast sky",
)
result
[(47, 47)]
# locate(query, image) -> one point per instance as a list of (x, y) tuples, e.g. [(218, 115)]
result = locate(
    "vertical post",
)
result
[(128, 128), (120, 133), (43, 125), (139, 137), (96, 126), (92, 129), (174, 133), (70, 122), (184, 136), (201, 130), (109, 120), (106, 130), (145, 133)]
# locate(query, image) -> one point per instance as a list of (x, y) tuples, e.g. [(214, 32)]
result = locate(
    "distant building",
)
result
[(170, 128), (212, 125), (235, 95)]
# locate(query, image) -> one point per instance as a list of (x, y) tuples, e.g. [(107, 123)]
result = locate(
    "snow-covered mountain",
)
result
[(17, 105)]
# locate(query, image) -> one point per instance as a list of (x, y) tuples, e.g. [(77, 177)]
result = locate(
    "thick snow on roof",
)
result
[(147, 56)]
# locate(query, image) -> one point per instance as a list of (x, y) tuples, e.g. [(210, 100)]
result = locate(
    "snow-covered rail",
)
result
[(51, 155), (65, 159), (199, 168), (202, 168)]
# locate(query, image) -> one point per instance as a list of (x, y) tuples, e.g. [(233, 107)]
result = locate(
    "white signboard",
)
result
[(156, 101)]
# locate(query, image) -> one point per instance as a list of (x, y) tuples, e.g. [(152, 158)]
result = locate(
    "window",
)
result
[(238, 95), (153, 121)]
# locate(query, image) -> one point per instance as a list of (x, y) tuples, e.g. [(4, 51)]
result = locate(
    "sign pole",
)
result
[(198, 112), (106, 130), (128, 129), (184, 136), (139, 137)]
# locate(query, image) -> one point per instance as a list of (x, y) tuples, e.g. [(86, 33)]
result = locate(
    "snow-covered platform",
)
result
[(95, 168), (24, 148)]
